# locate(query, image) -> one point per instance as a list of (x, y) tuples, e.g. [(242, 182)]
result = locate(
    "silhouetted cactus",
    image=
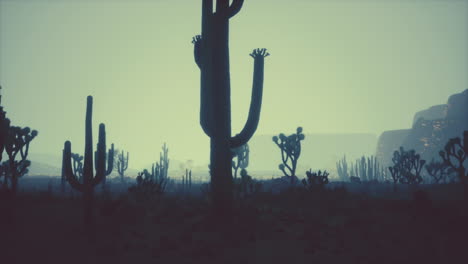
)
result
[(242, 158), (454, 155), (369, 169), (148, 188), (187, 180), (17, 142), (439, 171), (4, 127), (110, 160), (122, 165), (407, 167), (315, 180), (246, 186), (342, 169), (89, 181), (159, 169), (290, 147), (212, 57)]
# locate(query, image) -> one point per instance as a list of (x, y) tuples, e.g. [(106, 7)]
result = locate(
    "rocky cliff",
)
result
[(431, 129)]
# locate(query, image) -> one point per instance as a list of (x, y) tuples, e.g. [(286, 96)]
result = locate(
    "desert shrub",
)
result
[(147, 188), (315, 180), (246, 186), (355, 179)]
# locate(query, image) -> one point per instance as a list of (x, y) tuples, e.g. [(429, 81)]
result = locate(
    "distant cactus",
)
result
[(365, 168), (315, 180), (122, 165), (159, 170), (187, 180), (148, 188), (454, 155), (439, 171), (407, 167), (241, 154), (342, 169), (246, 186), (290, 147), (212, 57), (89, 181)]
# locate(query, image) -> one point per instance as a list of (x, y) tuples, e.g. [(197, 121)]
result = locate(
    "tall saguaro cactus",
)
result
[(89, 181), (212, 57)]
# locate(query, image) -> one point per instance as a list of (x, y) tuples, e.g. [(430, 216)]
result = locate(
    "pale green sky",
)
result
[(336, 66)]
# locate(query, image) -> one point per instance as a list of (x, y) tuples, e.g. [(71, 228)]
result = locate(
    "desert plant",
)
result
[(148, 189), (187, 180), (454, 155), (89, 181), (17, 142), (4, 127), (110, 157), (315, 180), (290, 147), (342, 169), (241, 154), (212, 57), (122, 165), (438, 171), (407, 167), (246, 186)]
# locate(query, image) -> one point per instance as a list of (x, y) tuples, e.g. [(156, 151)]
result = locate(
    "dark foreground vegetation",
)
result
[(296, 225)]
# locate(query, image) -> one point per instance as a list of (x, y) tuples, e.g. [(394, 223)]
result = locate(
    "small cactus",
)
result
[(122, 165), (290, 147)]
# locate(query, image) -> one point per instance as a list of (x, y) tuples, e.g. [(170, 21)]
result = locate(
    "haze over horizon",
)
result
[(335, 67)]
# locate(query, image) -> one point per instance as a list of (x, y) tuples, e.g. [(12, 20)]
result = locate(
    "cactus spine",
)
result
[(212, 57), (89, 180)]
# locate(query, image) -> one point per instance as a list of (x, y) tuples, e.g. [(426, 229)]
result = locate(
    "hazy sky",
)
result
[(336, 66)]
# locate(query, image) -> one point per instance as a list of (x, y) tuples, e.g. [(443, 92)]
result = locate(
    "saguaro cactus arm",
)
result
[(234, 8), (101, 171), (197, 50), (68, 171), (256, 101)]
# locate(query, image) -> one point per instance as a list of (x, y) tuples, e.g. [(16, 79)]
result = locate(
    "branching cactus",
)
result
[(110, 162), (212, 57), (290, 147), (122, 165), (241, 155), (315, 180), (17, 142), (439, 171), (454, 155), (90, 180)]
